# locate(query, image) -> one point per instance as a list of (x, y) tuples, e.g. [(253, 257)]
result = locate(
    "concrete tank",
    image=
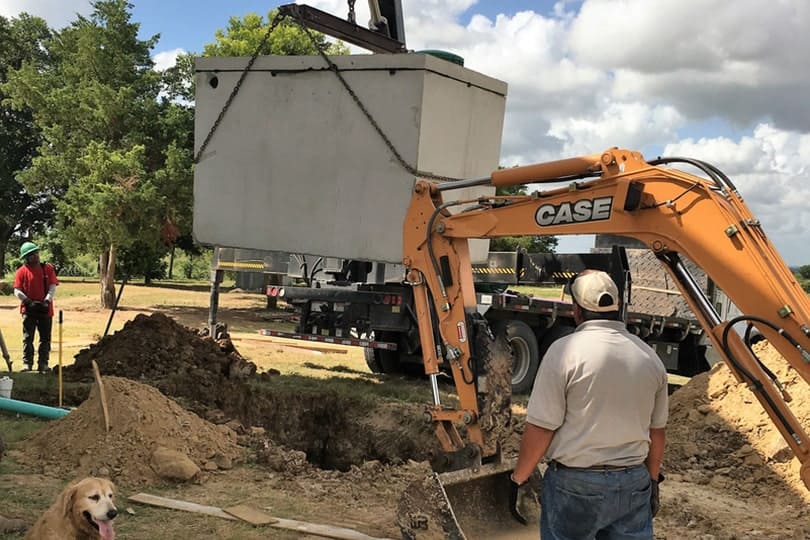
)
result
[(295, 165)]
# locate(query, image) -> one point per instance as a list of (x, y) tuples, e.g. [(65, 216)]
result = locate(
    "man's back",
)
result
[(601, 389)]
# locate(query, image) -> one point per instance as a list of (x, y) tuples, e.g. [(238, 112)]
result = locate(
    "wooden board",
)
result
[(317, 529), (163, 502), (326, 531), (250, 514)]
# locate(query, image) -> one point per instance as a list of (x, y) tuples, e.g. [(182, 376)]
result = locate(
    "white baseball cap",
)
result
[(595, 291)]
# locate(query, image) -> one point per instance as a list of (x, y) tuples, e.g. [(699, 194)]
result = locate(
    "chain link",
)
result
[(276, 21), (352, 18)]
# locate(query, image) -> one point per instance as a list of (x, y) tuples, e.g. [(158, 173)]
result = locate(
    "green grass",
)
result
[(16, 427), (552, 293)]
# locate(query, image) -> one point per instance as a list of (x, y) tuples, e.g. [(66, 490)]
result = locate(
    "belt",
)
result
[(558, 465)]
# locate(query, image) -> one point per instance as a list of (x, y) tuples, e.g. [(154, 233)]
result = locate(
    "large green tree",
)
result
[(22, 212), (530, 244), (110, 144), (245, 36)]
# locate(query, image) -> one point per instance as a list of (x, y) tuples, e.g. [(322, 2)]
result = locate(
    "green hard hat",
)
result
[(27, 249)]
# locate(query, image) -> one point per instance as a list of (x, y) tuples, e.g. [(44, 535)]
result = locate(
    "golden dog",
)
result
[(83, 511)]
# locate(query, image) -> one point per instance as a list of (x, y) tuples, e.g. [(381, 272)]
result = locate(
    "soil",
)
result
[(141, 420), (729, 473), (157, 348)]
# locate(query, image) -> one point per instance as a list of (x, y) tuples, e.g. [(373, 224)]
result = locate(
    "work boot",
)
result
[(26, 368)]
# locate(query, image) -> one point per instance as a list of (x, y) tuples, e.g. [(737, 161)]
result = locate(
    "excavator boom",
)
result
[(678, 215)]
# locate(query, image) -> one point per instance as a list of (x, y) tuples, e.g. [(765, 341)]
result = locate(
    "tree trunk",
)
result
[(5, 234), (3, 259), (171, 263), (106, 278)]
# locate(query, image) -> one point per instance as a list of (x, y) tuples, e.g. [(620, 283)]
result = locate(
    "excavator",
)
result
[(698, 216)]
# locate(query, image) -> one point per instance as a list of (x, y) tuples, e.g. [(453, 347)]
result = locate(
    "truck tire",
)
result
[(525, 353), (383, 360)]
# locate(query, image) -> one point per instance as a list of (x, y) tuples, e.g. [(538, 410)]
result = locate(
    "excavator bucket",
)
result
[(468, 505), (472, 502)]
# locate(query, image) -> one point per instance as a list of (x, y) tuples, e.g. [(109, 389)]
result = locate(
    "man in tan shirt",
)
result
[(597, 413)]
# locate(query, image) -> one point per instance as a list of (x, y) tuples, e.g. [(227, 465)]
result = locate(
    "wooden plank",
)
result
[(103, 395), (174, 504), (317, 529), (326, 531), (250, 514)]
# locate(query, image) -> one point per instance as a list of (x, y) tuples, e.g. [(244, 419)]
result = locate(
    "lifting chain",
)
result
[(405, 165), (332, 67), (278, 18), (352, 18)]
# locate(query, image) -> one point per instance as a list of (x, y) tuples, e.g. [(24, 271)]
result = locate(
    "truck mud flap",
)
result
[(467, 504)]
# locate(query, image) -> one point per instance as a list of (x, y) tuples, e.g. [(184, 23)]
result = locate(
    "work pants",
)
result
[(43, 326)]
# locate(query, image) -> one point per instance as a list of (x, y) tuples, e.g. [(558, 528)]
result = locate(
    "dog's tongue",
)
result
[(105, 529)]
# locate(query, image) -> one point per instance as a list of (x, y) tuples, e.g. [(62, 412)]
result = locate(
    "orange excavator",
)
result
[(680, 216)]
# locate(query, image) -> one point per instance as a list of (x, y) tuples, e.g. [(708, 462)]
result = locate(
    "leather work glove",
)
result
[(27, 303), (655, 501), (514, 500)]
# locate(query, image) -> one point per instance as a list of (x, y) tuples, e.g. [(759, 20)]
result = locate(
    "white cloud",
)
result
[(640, 74), (166, 59), (770, 168), (57, 13), (707, 57)]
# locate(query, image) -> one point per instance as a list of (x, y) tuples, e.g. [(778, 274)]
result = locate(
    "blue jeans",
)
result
[(596, 504)]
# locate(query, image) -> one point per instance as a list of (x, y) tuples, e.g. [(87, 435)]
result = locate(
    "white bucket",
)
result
[(5, 387)]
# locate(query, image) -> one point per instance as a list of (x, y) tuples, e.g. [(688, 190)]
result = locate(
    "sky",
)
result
[(725, 82)]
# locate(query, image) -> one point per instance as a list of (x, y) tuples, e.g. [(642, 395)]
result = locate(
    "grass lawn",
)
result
[(84, 323)]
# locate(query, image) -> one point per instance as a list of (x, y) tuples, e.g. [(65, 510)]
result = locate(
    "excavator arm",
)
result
[(677, 214)]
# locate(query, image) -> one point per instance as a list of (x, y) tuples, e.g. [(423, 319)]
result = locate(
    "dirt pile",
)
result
[(719, 434), (141, 421), (174, 358)]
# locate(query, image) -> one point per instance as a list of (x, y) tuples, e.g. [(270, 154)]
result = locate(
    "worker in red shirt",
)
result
[(35, 285)]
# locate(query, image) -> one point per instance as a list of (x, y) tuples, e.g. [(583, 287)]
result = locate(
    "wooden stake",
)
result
[(60, 358), (103, 396)]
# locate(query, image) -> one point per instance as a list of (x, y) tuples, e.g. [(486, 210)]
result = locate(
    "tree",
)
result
[(107, 138), (21, 212), (244, 36), (530, 244), (804, 271)]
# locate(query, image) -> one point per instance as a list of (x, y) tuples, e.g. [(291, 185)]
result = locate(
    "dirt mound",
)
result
[(719, 434), (157, 349), (141, 420)]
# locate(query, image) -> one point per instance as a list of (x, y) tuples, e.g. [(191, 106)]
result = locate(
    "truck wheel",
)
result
[(382, 360), (525, 353)]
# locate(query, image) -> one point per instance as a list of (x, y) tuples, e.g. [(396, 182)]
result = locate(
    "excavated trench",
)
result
[(335, 431)]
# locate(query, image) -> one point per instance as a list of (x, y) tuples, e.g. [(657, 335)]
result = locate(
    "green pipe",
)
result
[(34, 409)]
